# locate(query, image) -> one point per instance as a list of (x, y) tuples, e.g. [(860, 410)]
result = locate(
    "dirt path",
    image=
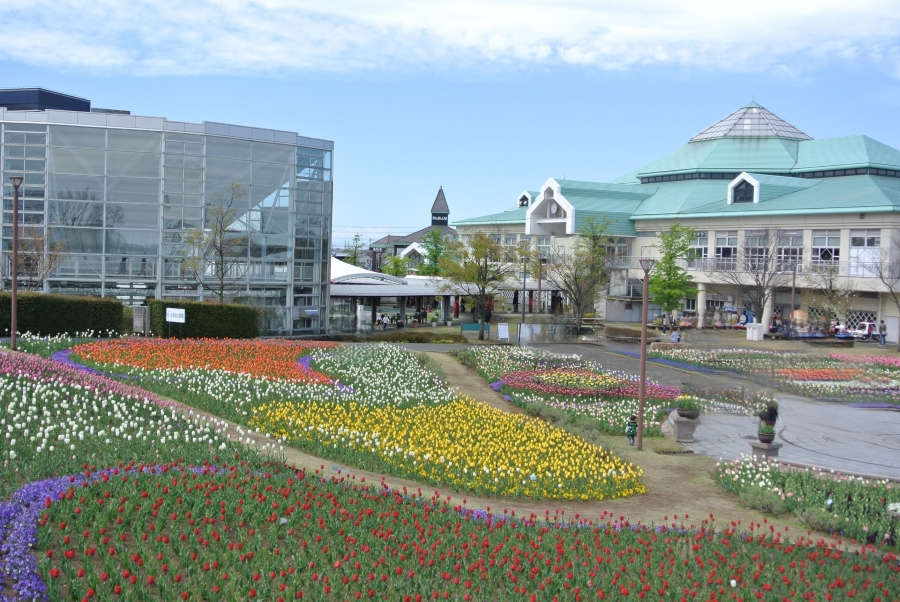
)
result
[(679, 485)]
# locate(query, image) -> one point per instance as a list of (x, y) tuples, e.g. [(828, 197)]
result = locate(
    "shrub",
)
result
[(621, 331), (818, 519), (763, 500), (50, 315), (212, 320)]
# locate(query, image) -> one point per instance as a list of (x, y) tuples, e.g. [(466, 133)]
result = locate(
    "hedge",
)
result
[(213, 320), (50, 315)]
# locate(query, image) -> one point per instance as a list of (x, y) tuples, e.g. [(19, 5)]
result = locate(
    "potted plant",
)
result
[(434, 320), (766, 433), (769, 414), (687, 408)]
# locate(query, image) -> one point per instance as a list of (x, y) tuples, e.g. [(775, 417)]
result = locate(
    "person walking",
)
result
[(882, 333), (665, 324), (631, 429)]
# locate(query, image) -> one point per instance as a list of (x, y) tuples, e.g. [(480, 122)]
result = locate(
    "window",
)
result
[(790, 250), (544, 245), (726, 250), (865, 252), (826, 246), (756, 244), (742, 193), (699, 250), (523, 201)]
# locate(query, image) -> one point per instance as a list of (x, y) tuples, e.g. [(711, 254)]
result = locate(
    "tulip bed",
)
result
[(269, 533), (837, 377), (848, 506), (569, 383), (374, 407), (54, 418)]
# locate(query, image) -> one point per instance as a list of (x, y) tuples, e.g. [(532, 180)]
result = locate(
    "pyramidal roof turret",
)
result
[(440, 203), (751, 121)]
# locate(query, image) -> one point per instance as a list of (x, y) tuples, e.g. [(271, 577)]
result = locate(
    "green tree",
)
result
[(581, 273), (395, 266), (434, 245), (670, 284), (477, 268), (354, 251)]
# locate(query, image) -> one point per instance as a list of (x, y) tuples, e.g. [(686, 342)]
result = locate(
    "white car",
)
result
[(865, 330)]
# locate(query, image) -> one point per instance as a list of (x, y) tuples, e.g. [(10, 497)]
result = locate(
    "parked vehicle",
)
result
[(865, 330)]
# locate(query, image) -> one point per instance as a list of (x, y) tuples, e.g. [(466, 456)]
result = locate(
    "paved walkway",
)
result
[(813, 433)]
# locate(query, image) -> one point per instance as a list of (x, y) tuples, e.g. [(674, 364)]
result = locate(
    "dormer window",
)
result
[(523, 201), (742, 193)]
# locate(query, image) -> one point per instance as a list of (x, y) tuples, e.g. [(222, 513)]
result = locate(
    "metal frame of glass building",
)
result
[(120, 192)]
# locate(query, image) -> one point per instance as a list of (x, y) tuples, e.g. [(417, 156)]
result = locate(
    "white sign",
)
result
[(503, 331), (175, 314)]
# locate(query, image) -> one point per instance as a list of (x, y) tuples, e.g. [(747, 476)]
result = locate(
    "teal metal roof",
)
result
[(516, 215), (845, 153), (620, 224), (771, 187), (727, 155), (848, 194)]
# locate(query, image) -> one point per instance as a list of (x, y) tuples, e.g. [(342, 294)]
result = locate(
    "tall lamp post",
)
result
[(16, 181), (646, 265), (524, 274)]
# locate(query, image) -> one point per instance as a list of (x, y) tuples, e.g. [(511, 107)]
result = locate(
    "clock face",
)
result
[(554, 208)]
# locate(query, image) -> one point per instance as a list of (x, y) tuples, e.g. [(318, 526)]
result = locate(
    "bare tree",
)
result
[(39, 258), (219, 250), (580, 274), (888, 273), (762, 265), (829, 291)]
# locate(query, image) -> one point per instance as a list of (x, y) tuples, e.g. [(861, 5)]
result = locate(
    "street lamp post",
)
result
[(524, 274), (646, 265), (16, 181)]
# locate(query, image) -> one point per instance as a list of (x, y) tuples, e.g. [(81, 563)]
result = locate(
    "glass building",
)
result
[(124, 197)]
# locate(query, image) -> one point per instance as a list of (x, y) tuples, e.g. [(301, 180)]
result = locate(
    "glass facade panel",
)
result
[(227, 170), (134, 140), (75, 213), (132, 242), (82, 188), (136, 165), (273, 153), (228, 147), (77, 137), (132, 215), (132, 190), (77, 161), (272, 174), (78, 240)]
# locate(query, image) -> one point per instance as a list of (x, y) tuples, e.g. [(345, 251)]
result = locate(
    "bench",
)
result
[(473, 329)]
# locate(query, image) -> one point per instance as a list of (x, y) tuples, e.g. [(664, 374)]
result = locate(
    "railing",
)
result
[(853, 269), (80, 266), (131, 268)]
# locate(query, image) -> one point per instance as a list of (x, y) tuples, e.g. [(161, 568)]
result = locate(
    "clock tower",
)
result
[(440, 212)]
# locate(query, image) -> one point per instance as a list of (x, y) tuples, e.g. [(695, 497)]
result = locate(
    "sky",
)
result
[(485, 98)]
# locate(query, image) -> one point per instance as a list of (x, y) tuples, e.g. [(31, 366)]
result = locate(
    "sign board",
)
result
[(175, 314), (503, 331)]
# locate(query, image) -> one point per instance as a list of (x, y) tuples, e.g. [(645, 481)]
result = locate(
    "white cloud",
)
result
[(231, 36)]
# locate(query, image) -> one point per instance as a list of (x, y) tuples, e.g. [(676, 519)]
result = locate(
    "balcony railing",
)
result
[(852, 269)]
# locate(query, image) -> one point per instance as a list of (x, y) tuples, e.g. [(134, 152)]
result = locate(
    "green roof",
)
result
[(845, 153), (848, 194), (727, 155)]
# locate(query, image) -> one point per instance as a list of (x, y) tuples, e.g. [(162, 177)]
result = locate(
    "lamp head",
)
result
[(16, 181), (647, 264)]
